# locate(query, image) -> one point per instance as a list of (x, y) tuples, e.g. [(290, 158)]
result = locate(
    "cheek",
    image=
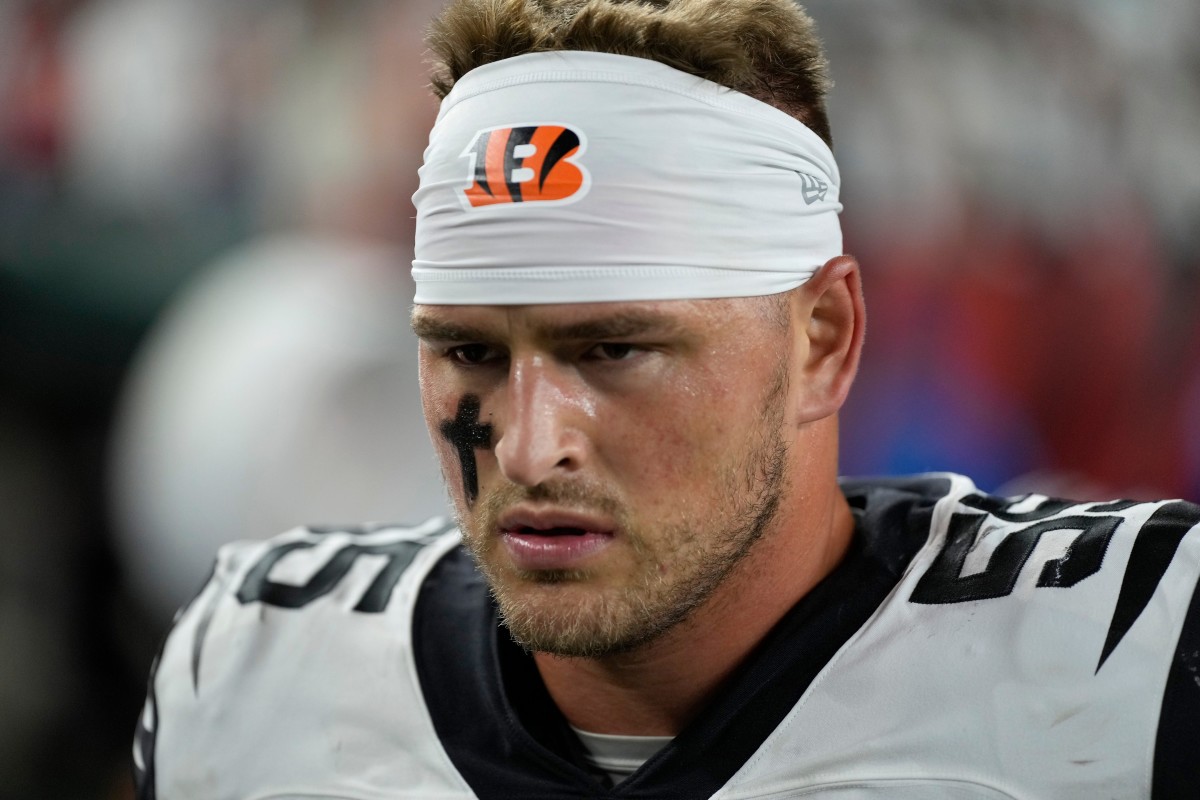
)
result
[(434, 387), (680, 437), (706, 419), (441, 393), (439, 401)]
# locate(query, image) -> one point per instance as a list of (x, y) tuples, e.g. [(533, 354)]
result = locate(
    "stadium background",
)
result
[(204, 224)]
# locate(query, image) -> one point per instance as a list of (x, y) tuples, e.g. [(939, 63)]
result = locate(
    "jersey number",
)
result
[(259, 588), (1153, 549), (945, 583)]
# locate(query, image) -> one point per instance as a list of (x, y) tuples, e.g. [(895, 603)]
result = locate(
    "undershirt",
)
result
[(619, 756)]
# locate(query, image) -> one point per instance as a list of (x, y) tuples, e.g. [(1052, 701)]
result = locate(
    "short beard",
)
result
[(620, 620)]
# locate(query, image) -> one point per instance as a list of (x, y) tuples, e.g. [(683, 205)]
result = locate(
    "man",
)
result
[(636, 330)]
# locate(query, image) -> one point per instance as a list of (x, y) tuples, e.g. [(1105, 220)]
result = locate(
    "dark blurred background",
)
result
[(204, 236)]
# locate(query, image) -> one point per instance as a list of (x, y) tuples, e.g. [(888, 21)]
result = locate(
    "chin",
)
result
[(569, 618)]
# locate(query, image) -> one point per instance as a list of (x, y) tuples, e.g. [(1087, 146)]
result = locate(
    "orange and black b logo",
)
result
[(525, 164)]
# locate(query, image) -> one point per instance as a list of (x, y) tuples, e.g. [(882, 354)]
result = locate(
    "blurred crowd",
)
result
[(204, 234), (1023, 188)]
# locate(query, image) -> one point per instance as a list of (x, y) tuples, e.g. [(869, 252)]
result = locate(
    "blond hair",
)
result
[(767, 49)]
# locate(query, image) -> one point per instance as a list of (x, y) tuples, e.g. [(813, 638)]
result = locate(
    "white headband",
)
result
[(574, 177)]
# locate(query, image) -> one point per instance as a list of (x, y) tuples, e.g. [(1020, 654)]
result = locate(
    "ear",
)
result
[(829, 322)]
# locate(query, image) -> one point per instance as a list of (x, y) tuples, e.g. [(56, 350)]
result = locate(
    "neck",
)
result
[(658, 688)]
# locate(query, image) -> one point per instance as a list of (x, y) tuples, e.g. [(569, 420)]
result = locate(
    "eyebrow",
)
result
[(619, 325), (443, 331), (614, 326)]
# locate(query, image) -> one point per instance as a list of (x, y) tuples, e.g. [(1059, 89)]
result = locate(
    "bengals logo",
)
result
[(525, 164)]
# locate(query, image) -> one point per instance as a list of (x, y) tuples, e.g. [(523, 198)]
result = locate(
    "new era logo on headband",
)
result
[(814, 188), (525, 164)]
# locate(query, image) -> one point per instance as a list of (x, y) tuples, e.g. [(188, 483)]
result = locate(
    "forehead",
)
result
[(579, 320)]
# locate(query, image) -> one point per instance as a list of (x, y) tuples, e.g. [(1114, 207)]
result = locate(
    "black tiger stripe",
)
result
[(481, 165), (144, 780), (518, 137), (145, 736), (1152, 552), (567, 141), (1177, 745)]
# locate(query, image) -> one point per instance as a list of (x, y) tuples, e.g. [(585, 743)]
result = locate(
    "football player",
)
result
[(637, 327)]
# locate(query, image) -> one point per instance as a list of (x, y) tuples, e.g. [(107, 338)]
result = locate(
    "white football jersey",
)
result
[(969, 647)]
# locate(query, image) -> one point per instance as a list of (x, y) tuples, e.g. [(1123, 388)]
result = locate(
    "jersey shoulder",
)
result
[(292, 671), (1100, 564), (975, 546), (1034, 647), (984, 547)]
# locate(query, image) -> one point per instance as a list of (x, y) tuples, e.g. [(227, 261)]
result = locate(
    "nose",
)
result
[(540, 437)]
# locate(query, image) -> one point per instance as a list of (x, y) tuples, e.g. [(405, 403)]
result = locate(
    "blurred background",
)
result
[(204, 236)]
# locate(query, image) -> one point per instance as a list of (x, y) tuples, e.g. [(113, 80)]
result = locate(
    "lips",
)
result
[(553, 539), (546, 520), (528, 531)]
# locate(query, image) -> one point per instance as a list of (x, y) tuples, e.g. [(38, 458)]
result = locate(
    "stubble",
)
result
[(677, 566)]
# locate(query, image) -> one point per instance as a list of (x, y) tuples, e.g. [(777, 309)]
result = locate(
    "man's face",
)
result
[(609, 463)]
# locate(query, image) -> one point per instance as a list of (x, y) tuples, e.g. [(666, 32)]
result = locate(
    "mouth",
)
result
[(534, 521), (548, 539), (528, 530)]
